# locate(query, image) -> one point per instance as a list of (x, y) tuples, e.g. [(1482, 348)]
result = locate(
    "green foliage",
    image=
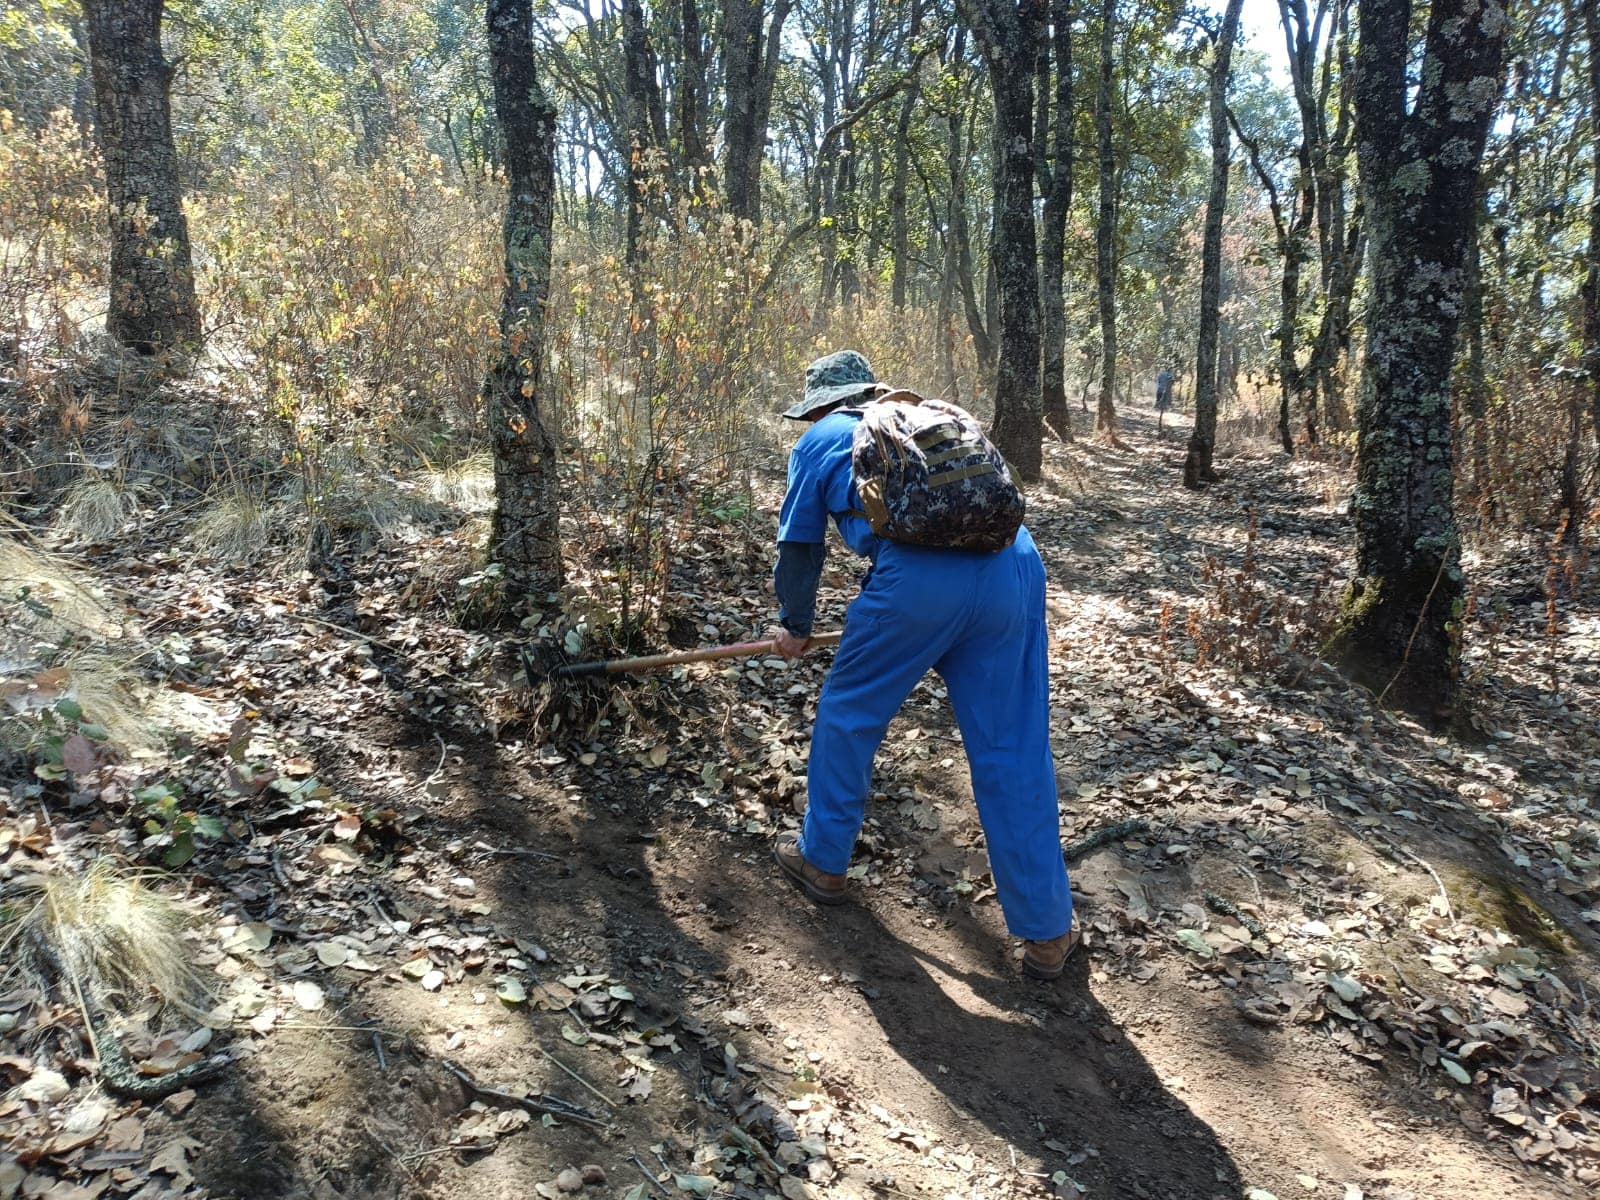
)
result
[(171, 828), (63, 741)]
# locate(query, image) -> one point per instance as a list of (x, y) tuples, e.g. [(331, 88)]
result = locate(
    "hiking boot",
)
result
[(1046, 960), (820, 887)]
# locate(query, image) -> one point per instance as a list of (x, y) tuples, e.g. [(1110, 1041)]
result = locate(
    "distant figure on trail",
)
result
[(976, 616), (1164, 383)]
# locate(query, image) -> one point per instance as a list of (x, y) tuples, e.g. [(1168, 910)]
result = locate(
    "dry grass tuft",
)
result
[(113, 933), (94, 508), (467, 484), (236, 525), (43, 595), (106, 688), (366, 505)]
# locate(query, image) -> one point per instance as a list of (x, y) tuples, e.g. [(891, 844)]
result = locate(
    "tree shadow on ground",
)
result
[(1029, 1062)]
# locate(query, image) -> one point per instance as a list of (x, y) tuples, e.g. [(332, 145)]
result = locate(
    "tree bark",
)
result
[(900, 234), (526, 537), (152, 305), (638, 68), (1472, 385), (961, 237), (1419, 164), (1197, 468), (690, 93), (1009, 35), (749, 69), (1105, 237), (1302, 33), (1056, 183), (1591, 281), (1339, 237)]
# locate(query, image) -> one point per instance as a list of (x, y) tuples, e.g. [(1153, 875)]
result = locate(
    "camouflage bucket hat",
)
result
[(836, 378)]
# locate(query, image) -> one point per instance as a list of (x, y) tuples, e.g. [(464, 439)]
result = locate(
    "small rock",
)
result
[(43, 1087), (570, 1180), (790, 1154), (594, 1175)]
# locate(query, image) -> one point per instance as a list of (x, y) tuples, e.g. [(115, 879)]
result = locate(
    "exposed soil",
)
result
[(1401, 889)]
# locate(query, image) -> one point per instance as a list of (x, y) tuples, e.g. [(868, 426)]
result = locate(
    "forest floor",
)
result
[(1329, 954)]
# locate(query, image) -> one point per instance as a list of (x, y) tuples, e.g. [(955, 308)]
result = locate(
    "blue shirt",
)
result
[(822, 485)]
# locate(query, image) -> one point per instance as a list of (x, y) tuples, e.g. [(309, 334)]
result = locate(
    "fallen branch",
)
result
[(596, 1092), (1449, 912)]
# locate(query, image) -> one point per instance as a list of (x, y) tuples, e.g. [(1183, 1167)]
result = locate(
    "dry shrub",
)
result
[(1248, 623), (51, 239), (1510, 462), (356, 500), (904, 348), (354, 302), (663, 379)]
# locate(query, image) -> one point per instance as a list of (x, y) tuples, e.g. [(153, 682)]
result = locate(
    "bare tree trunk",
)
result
[(153, 305), (900, 235), (1010, 36), (1419, 162), (1341, 241), (1302, 35), (960, 235), (690, 94), (1591, 282), (1105, 238), (1197, 468), (831, 69), (526, 536), (638, 69), (1056, 182), (1472, 386), (749, 69)]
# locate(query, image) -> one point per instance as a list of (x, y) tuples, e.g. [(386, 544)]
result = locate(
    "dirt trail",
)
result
[(680, 989)]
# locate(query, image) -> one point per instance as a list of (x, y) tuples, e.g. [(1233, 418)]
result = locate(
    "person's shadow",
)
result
[(1032, 1063)]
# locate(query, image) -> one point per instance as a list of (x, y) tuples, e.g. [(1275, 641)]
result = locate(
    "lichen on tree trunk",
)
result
[(1591, 282), (1010, 37), (1056, 181), (1105, 237), (152, 303), (1419, 166), (525, 538)]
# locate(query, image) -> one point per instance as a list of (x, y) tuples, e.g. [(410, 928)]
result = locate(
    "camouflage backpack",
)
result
[(927, 475)]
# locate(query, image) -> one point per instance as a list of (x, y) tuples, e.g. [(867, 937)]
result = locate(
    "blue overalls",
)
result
[(975, 618)]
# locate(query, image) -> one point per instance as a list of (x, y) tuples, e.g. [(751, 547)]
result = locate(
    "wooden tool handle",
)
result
[(649, 662)]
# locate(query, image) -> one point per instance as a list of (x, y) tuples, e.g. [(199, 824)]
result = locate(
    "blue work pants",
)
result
[(978, 620)]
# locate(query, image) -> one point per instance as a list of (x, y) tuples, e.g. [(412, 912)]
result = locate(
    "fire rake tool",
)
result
[(650, 662)]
